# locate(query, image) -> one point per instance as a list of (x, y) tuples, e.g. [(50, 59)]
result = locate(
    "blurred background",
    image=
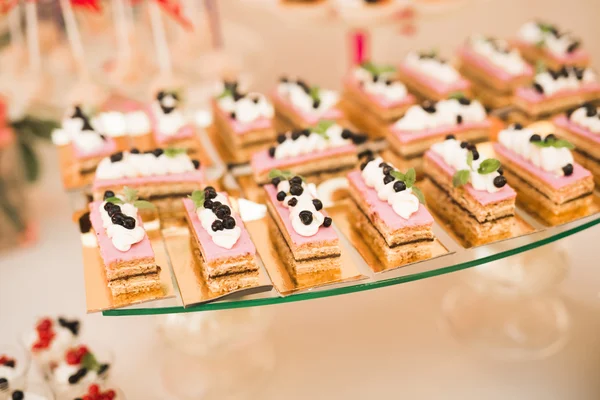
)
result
[(452, 336)]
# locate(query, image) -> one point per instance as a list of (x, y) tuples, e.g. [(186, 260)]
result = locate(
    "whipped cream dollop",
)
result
[(64, 371), (121, 224), (376, 175), (217, 218), (304, 206), (112, 123), (432, 66), (557, 160), (454, 153), (245, 108), (383, 85), (550, 81), (169, 118), (138, 123), (549, 37), (309, 141), (8, 373), (498, 52), (449, 112), (135, 164), (586, 117), (312, 101), (88, 141)]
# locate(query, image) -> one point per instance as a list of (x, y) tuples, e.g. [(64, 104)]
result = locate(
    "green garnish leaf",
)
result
[(540, 67), (488, 166), (226, 93), (197, 197), (89, 362), (540, 43), (377, 70), (410, 177), (173, 152), (546, 28), (398, 175), (143, 205), (314, 93), (322, 127), (461, 177), (114, 200), (277, 173), (130, 194), (560, 143), (470, 159), (456, 95), (417, 192)]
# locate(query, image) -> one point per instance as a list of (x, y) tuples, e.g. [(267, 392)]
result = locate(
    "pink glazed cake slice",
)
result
[(426, 86), (299, 118), (184, 133), (109, 147)]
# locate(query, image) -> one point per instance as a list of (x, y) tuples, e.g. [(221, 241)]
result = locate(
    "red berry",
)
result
[(86, 397), (93, 390), (44, 324), (3, 359), (82, 351), (111, 394), (45, 334), (72, 358)]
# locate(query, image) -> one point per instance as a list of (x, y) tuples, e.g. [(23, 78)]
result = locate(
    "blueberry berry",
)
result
[(116, 157), (129, 222), (108, 193), (223, 211), (229, 222), (399, 186), (232, 115), (499, 181), (217, 225), (272, 151), (318, 204), (550, 137), (296, 180), (19, 395), (208, 204), (346, 134), (327, 222), (275, 181), (463, 145), (157, 152), (517, 126), (538, 88), (448, 137), (296, 135), (293, 201), (281, 196), (134, 151), (535, 138), (316, 103), (296, 190), (568, 169), (196, 163), (464, 101), (459, 119), (475, 154), (281, 138), (306, 217), (387, 179)]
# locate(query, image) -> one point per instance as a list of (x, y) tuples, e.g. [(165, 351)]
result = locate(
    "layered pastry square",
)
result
[(244, 120), (581, 126), (300, 106), (431, 77), (469, 192), (557, 90), (540, 41), (542, 171), (301, 231), (429, 123), (124, 246), (322, 151), (162, 176), (388, 213), (220, 240), (373, 98), (494, 69)]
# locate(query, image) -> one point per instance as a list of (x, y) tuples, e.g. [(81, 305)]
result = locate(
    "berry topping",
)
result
[(222, 212), (382, 164), (327, 222), (73, 379), (135, 150), (296, 180), (7, 361), (275, 181), (387, 179), (579, 73), (306, 217), (463, 145), (359, 138), (535, 138), (18, 395), (475, 154), (117, 218), (387, 170), (116, 157), (281, 196), (196, 163), (399, 186), (388, 82), (318, 204), (563, 71), (296, 135), (303, 85), (305, 132), (500, 171), (316, 103), (449, 137), (210, 189), (296, 190), (292, 202), (590, 110), (272, 151), (538, 88), (157, 152), (281, 138), (85, 225), (499, 181), (73, 325), (464, 101), (229, 222), (363, 165), (459, 119), (129, 222), (568, 169), (216, 204), (108, 193), (283, 79), (517, 126), (94, 393), (346, 134), (217, 226), (550, 137), (375, 78), (103, 368), (256, 100), (232, 115), (429, 107), (3, 384), (45, 333), (208, 204)]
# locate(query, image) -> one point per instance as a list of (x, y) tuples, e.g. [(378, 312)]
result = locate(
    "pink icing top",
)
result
[(383, 210), (6, 137), (210, 250), (241, 128), (483, 197), (120, 103), (108, 251), (333, 113), (481, 62), (192, 176), (109, 147), (564, 122), (556, 182), (440, 87), (531, 95), (323, 235), (187, 131), (378, 99), (413, 136), (579, 55), (261, 161)]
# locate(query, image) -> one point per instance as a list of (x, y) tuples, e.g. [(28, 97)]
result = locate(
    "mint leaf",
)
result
[(130, 194), (377, 70), (560, 143), (398, 175), (143, 205), (322, 127), (470, 159), (540, 67), (488, 166), (89, 362), (226, 93), (173, 152), (461, 177), (369, 67), (410, 177), (456, 95), (114, 200), (197, 197), (417, 192), (314, 93)]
